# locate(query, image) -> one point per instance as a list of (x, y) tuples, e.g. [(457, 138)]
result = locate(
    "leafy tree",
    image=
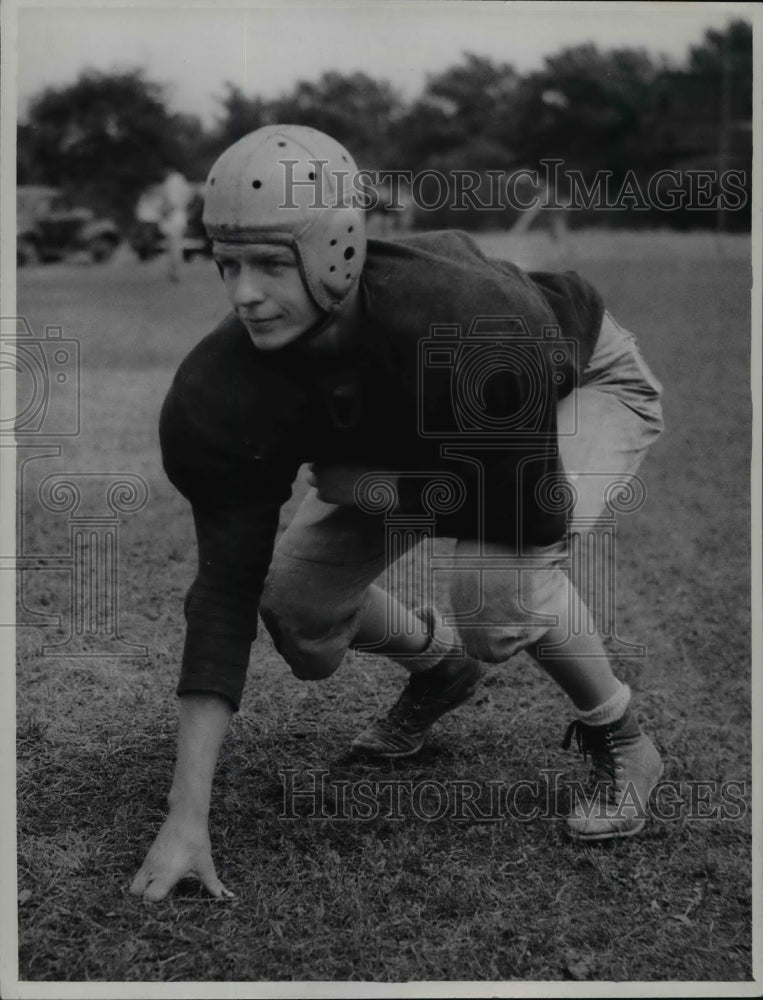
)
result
[(701, 119), (195, 149), (240, 115), (106, 137), (467, 111), (708, 102), (463, 121), (727, 51), (103, 140), (585, 106), (357, 110)]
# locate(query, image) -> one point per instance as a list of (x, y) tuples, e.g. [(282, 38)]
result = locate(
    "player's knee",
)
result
[(497, 644), (313, 646), (311, 661), (514, 610)]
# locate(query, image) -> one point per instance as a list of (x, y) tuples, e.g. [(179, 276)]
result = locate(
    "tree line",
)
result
[(107, 136)]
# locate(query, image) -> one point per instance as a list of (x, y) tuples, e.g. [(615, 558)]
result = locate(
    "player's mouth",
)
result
[(260, 322)]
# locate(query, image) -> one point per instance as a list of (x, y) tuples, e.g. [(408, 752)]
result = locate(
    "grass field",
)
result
[(395, 898)]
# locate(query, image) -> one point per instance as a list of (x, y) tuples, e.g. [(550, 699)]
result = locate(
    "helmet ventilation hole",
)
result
[(311, 175), (349, 253), (332, 269), (256, 184), (332, 243), (211, 181)]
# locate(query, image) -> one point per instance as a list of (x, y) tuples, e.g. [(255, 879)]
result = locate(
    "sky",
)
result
[(194, 48)]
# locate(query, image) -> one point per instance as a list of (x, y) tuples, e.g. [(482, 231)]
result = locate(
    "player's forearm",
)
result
[(202, 725)]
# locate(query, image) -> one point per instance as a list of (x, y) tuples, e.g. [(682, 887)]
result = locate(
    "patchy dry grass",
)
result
[(394, 897)]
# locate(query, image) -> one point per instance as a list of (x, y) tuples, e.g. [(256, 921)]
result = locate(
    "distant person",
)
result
[(148, 209), (319, 362), (540, 203), (176, 194)]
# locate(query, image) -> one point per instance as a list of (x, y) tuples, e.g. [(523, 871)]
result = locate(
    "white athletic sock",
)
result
[(610, 711), (441, 641)]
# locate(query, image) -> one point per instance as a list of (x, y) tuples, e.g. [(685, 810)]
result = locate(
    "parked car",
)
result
[(146, 237), (49, 227)]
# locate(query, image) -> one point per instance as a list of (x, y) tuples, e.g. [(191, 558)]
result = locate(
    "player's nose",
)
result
[(248, 288)]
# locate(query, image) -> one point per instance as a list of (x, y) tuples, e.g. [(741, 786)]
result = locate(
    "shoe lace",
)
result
[(412, 699), (424, 699), (599, 744), (418, 696)]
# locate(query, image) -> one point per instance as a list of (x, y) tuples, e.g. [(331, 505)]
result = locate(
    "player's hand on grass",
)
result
[(182, 845), (181, 849)]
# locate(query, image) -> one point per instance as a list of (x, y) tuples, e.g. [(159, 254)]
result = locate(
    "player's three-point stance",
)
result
[(320, 362)]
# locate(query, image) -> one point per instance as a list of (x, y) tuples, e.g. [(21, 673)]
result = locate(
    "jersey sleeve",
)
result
[(235, 546), (236, 489)]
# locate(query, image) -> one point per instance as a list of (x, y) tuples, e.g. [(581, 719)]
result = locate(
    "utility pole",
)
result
[(723, 132)]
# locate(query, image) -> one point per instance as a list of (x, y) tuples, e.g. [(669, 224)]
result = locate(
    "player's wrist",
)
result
[(188, 803)]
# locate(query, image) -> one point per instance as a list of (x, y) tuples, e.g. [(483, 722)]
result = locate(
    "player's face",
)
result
[(265, 287)]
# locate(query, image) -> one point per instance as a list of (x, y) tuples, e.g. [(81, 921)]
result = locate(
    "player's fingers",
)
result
[(139, 883), (211, 882), (158, 889)]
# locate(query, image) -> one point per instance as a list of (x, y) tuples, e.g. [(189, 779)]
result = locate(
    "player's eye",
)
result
[(274, 264), (229, 265)]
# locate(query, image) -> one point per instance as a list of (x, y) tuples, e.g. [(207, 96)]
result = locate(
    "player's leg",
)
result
[(174, 230), (375, 635), (442, 677), (605, 429), (175, 254), (320, 599), (625, 764), (619, 398), (320, 584)]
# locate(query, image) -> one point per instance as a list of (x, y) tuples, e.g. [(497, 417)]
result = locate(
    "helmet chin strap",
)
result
[(342, 316), (321, 326)]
